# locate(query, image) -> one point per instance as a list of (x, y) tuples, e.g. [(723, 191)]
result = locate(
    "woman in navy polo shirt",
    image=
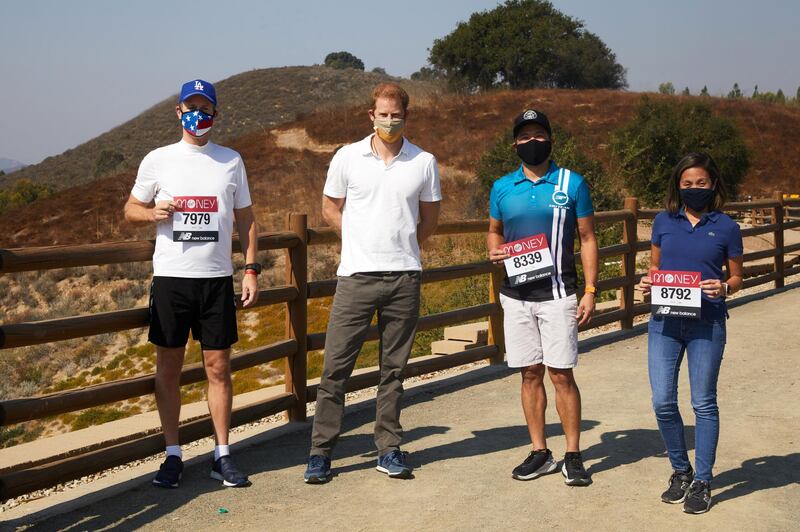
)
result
[(692, 234)]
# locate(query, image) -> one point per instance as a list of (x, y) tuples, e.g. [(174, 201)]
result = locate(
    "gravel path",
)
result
[(757, 329)]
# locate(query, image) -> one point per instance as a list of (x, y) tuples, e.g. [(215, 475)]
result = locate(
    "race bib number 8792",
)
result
[(675, 293), (196, 219)]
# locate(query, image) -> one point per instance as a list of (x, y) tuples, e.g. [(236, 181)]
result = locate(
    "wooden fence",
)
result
[(295, 294)]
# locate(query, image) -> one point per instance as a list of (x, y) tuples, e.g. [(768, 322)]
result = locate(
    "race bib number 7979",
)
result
[(196, 219)]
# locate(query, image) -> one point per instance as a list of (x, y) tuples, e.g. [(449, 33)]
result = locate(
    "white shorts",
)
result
[(544, 332)]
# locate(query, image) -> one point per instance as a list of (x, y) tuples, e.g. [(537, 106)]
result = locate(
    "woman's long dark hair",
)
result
[(673, 202)]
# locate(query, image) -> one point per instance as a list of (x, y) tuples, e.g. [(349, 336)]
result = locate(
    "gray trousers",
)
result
[(395, 296)]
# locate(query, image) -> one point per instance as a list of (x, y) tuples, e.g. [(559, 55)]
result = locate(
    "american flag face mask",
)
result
[(197, 123)]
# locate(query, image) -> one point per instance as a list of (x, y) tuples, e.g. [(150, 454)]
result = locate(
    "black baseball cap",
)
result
[(532, 116)]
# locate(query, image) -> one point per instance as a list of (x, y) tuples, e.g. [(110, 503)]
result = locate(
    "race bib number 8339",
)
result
[(529, 260)]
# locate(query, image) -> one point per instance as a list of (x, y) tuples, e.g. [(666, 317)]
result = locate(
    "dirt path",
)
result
[(466, 434)]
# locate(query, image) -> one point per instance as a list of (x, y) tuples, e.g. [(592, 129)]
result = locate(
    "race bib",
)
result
[(530, 260), (675, 294), (196, 219)]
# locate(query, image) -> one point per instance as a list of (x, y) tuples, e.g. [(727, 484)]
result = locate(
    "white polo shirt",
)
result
[(182, 169), (381, 209)]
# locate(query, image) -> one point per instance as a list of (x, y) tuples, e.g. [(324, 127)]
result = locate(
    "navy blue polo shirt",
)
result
[(703, 248), (550, 205)]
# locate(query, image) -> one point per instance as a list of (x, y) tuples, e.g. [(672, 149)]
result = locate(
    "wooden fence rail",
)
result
[(295, 294)]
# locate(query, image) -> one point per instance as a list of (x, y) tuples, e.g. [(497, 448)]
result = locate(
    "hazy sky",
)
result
[(70, 70)]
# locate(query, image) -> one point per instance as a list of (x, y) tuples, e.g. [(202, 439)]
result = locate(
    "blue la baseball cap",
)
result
[(198, 86)]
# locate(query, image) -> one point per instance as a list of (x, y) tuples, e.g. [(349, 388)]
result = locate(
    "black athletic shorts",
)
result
[(207, 307)]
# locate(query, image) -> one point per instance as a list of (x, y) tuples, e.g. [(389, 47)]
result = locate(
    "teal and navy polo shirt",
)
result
[(550, 205)]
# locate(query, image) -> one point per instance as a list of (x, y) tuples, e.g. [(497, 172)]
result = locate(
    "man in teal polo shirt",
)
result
[(543, 205)]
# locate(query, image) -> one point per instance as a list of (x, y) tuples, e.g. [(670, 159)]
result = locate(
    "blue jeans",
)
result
[(704, 342)]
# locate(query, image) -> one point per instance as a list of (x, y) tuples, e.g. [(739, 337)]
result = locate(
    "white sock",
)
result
[(174, 450), (221, 450)]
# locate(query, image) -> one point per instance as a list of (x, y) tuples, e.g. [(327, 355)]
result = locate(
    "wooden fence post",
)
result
[(297, 314), (630, 237), (496, 335), (777, 218)]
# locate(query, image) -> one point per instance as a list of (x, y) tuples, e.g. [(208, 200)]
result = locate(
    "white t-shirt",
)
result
[(381, 209), (212, 172)]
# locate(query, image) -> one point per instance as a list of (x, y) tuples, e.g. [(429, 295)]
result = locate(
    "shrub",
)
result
[(107, 162), (666, 88), (342, 60), (96, 416), (661, 133), (21, 193)]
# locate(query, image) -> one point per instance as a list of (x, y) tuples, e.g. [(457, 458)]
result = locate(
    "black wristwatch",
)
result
[(255, 266)]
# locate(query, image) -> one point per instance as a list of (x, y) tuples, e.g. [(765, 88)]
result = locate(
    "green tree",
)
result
[(755, 93), (427, 74), (797, 96), (704, 91), (522, 44), (107, 162), (342, 60), (686, 92), (780, 97), (379, 70), (666, 88), (661, 133), (735, 93)]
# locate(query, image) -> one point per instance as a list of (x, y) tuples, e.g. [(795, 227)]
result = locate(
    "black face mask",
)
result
[(697, 199), (534, 152)]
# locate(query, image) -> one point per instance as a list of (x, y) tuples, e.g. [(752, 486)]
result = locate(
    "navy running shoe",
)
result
[(394, 464), (169, 474), (318, 470), (225, 470)]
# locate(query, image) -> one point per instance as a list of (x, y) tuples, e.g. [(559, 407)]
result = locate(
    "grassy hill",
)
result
[(287, 163), (250, 101)]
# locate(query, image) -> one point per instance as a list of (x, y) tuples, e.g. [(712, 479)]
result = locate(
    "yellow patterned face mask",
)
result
[(389, 129)]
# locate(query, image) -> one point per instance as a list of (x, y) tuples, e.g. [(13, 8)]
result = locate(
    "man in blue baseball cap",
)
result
[(194, 191)]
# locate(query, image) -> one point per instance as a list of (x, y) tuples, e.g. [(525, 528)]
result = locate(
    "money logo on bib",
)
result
[(196, 219), (529, 260), (675, 294)]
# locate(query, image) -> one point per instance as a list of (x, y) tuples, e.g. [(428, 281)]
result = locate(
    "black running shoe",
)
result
[(225, 470), (169, 474), (538, 463), (574, 472), (698, 499), (679, 484)]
